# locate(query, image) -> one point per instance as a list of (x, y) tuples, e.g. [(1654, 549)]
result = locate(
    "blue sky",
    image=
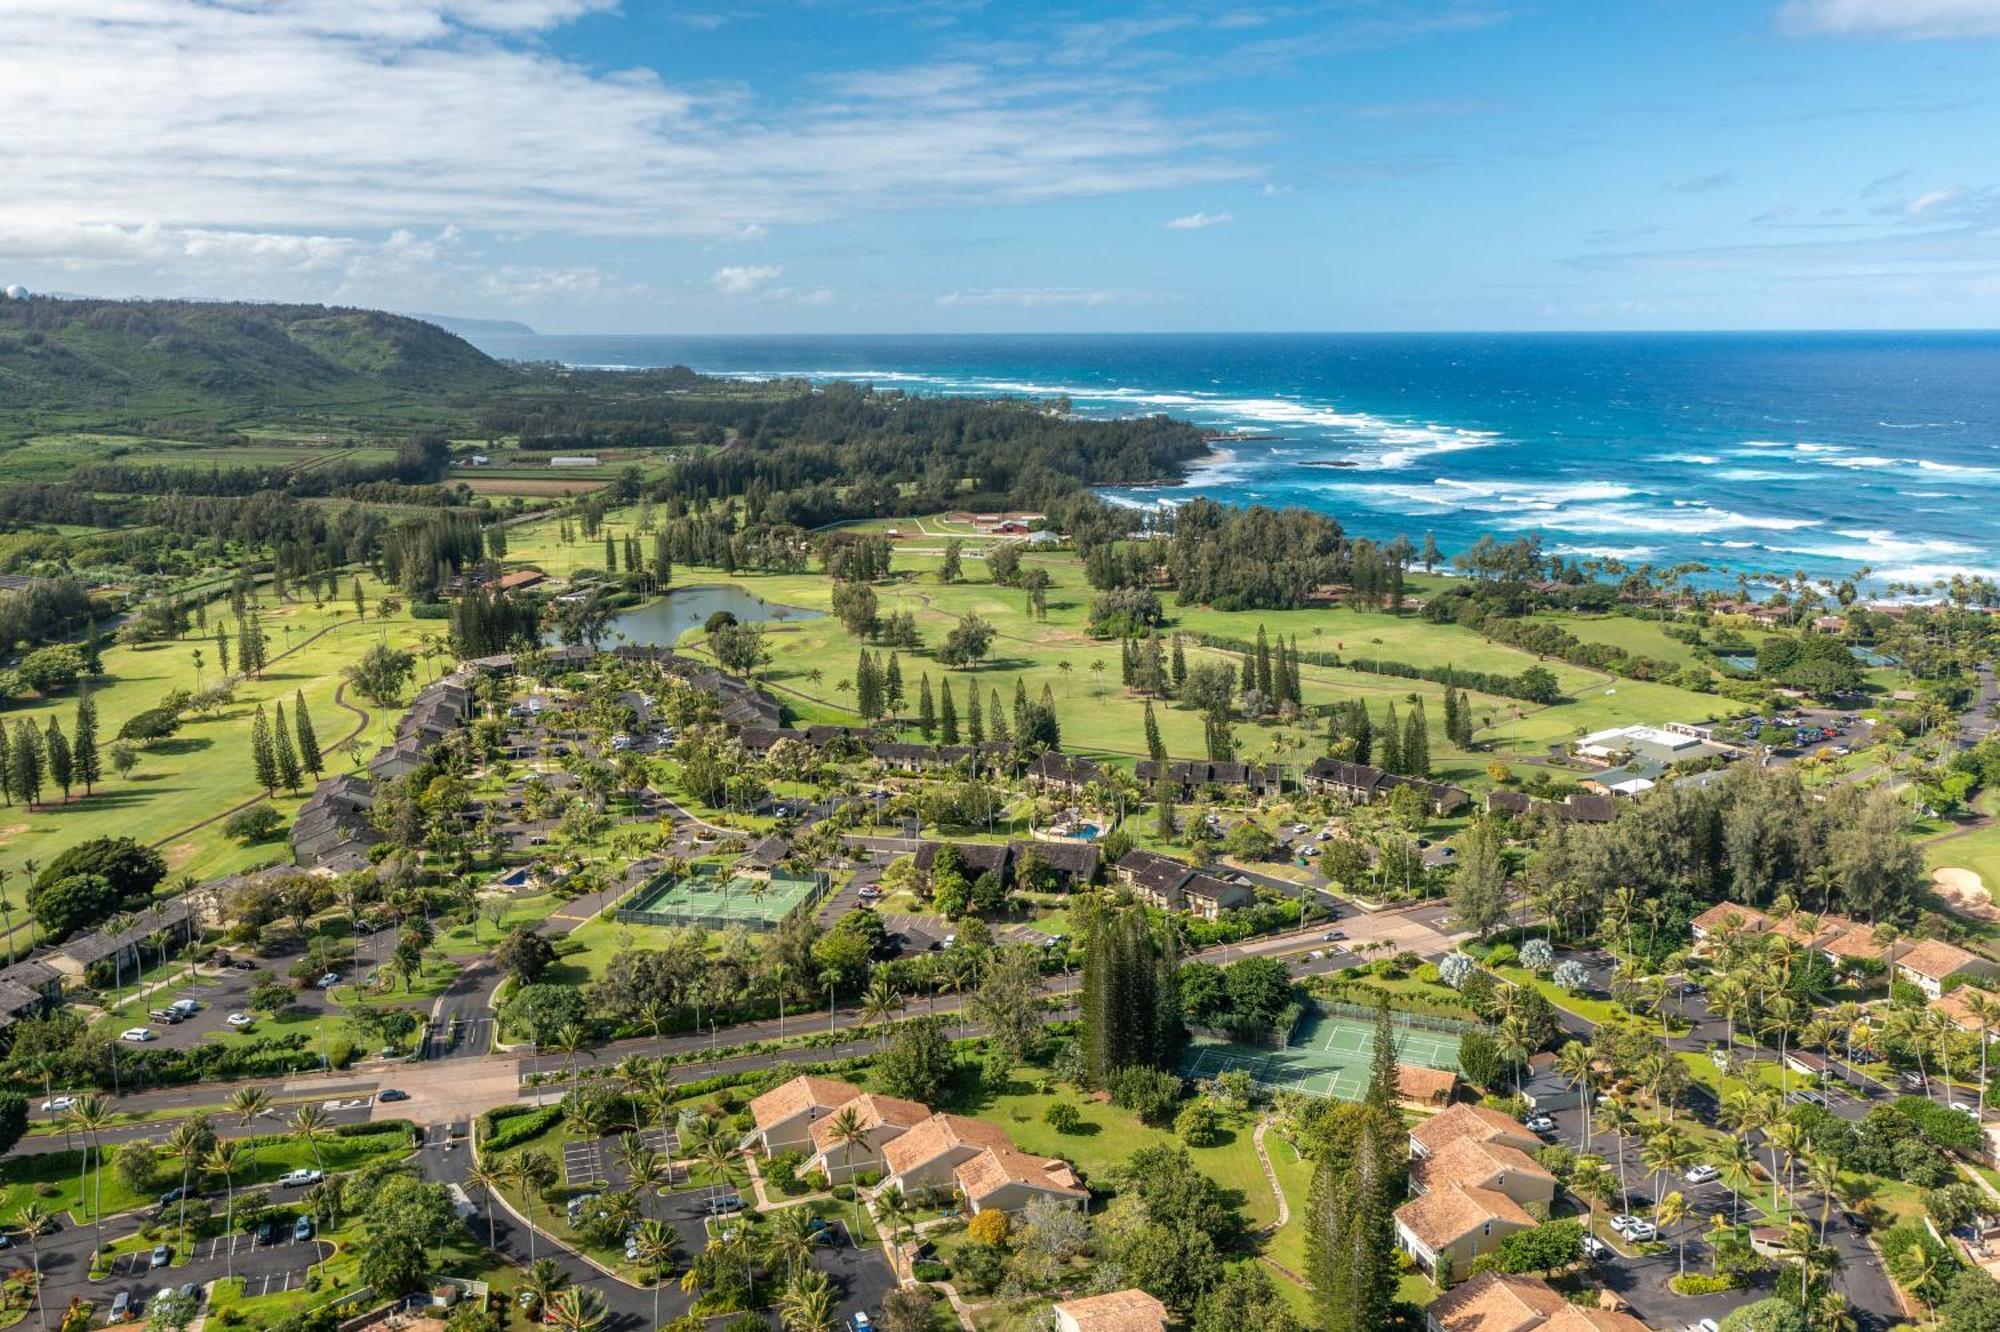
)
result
[(912, 165)]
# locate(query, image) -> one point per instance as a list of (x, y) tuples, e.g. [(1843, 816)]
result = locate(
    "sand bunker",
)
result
[(1962, 891)]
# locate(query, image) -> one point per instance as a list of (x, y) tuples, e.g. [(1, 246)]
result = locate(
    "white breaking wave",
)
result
[(1863, 545), (1610, 552)]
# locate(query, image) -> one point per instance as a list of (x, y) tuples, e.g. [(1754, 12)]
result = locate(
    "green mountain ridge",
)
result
[(66, 364)]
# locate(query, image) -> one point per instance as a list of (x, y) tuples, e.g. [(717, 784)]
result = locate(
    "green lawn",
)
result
[(205, 769), (52, 1178), (1097, 715)]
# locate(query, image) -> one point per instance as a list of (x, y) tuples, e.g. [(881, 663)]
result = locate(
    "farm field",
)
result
[(1081, 672)]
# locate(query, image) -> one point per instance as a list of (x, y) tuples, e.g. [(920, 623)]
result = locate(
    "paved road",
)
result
[(861, 1275), (1643, 1280)]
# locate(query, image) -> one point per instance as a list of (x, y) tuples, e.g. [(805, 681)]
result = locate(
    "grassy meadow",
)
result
[(181, 785), (1096, 713)]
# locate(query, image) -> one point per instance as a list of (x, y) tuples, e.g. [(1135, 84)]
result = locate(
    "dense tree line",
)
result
[(1749, 838)]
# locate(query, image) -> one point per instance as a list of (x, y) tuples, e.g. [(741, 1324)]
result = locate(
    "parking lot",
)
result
[(596, 1162)]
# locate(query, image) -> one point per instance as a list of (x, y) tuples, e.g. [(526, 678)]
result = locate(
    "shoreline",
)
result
[(1190, 471)]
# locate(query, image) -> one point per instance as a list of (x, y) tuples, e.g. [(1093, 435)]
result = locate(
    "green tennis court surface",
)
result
[(1327, 1056), (717, 900)]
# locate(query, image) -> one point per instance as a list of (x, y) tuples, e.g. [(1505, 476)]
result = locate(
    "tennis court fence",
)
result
[(1399, 1020)]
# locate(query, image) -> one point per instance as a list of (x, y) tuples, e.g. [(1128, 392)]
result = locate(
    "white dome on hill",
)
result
[(17, 292)]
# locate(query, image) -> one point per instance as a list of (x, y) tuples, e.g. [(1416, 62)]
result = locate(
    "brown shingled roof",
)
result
[(937, 1135), (997, 1167), (1462, 1120), (871, 1111), (801, 1093), (1493, 1302), (1936, 959), (1448, 1213), (1118, 1311)]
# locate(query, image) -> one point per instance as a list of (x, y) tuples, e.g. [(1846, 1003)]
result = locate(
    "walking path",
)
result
[(1271, 1176)]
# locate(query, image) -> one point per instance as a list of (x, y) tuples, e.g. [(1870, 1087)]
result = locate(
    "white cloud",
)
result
[(743, 279), (325, 121), (1910, 20), (1932, 200), (1198, 221)]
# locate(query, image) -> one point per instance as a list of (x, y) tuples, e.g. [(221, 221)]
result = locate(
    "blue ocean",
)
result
[(1827, 453)]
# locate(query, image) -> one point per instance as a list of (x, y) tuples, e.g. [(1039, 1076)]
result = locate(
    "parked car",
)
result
[(724, 1205), (1539, 1123), (267, 1233), (1595, 1249), (1704, 1325), (162, 1254), (1622, 1222), (137, 1035), (174, 1195), (191, 1291), (293, 1179), (391, 1094), (241, 1020), (1333, 936), (330, 979), (302, 1229), (166, 1015), (1642, 1231), (1702, 1174), (56, 1105), (186, 1007), (861, 1323), (121, 1304)]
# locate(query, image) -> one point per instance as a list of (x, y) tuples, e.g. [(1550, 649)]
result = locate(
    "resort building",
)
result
[(1170, 885), (1071, 864), (839, 1155), (784, 1115), (1187, 778), (932, 1151), (1359, 784), (1002, 1179), (1053, 771), (1118, 1311), (1497, 1302), (1931, 964), (1474, 1182)]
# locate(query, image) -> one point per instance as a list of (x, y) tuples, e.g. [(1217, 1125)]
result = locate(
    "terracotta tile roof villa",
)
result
[(1118, 1311)]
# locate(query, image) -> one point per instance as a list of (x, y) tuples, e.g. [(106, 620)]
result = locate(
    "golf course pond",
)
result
[(661, 623)]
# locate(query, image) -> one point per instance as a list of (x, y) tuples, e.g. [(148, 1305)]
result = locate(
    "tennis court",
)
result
[(718, 900), (1328, 1055)]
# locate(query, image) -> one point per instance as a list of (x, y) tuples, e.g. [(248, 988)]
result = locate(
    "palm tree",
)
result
[(246, 1103), (878, 1006), (1621, 1122), (1734, 1156), (791, 1239), (1670, 1212), (808, 1304), (310, 1126), (224, 1159), (542, 1280), (1665, 1153), (33, 1218), (532, 1171), (1823, 1173), (717, 1157), (1575, 1062), (848, 1132), (89, 1116), (895, 1211), (190, 1140), (656, 1244), (487, 1181)]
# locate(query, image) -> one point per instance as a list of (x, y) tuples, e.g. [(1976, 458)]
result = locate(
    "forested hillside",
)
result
[(104, 364)]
